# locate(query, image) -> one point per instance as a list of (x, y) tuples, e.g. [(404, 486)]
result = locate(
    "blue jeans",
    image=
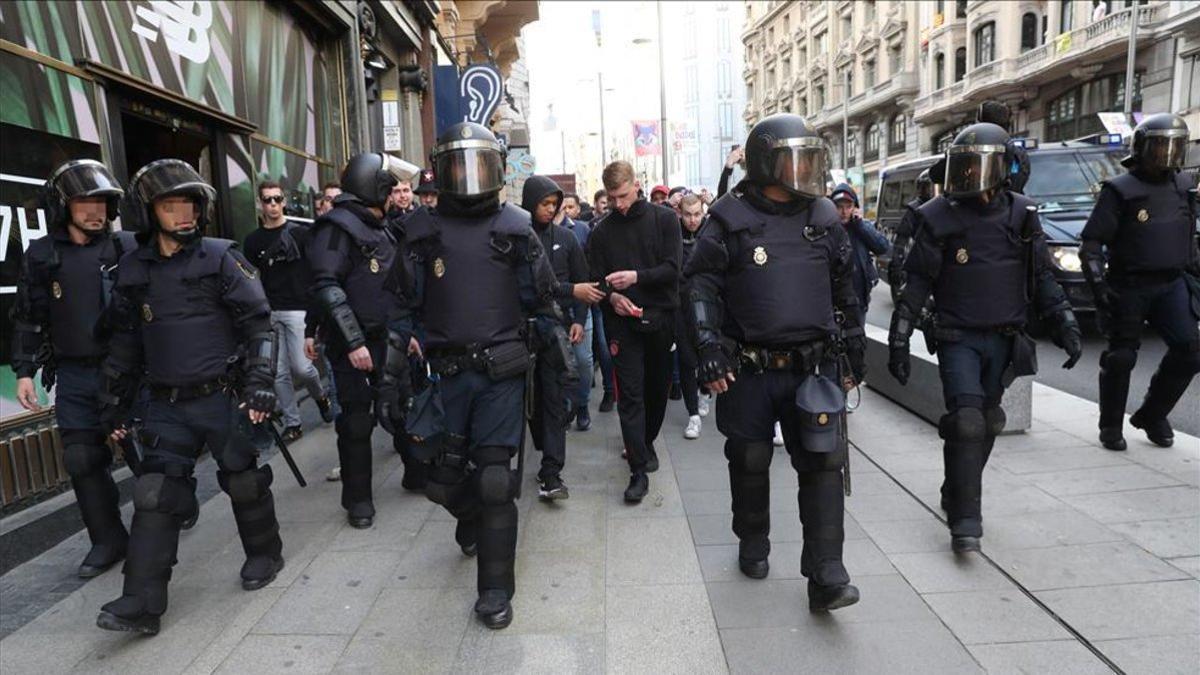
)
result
[(583, 356), (292, 367), (971, 368)]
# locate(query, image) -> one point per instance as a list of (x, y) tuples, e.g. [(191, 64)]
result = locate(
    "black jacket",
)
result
[(645, 239)]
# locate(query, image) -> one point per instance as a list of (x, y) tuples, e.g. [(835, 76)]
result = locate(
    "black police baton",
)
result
[(131, 448), (287, 455)]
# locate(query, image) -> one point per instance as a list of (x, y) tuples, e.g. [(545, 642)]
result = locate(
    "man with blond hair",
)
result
[(634, 253)]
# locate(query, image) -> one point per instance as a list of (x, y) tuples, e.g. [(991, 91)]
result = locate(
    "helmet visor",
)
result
[(1165, 151), (402, 171), (469, 170), (170, 177), (973, 169), (87, 178), (800, 165)]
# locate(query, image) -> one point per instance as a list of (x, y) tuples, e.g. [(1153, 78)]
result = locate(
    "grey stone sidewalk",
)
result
[(1087, 552)]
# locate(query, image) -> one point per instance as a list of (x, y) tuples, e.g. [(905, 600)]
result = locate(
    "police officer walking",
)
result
[(1146, 220), (472, 272), (905, 231), (981, 252), (351, 251), (65, 283), (185, 307), (775, 310)]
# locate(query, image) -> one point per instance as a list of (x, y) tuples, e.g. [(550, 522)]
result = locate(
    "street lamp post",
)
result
[(662, 92), (600, 84)]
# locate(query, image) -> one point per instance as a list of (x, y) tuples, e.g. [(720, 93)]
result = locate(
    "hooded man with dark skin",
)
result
[(542, 198)]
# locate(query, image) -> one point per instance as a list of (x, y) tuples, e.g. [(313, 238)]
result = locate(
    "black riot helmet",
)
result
[(783, 150), (1159, 143), (468, 162), (370, 176), (75, 179), (168, 178), (925, 187), (976, 161)]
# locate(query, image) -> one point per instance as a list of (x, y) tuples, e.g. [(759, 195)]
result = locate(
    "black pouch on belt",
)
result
[(821, 404), (1024, 359), (507, 359)]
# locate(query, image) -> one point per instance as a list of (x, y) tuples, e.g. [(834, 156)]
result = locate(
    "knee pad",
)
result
[(82, 460), (995, 420), (445, 481), (750, 456), (354, 422), (496, 484), (1118, 360), (248, 485), (160, 493), (963, 424)]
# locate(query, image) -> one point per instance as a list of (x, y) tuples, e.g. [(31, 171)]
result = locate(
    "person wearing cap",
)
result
[(770, 277), (659, 195), (65, 281), (427, 190), (865, 240), (979, 249), (191, 328), (1141, 259)]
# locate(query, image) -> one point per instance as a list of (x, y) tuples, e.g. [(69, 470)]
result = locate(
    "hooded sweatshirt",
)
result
[(562, 248)]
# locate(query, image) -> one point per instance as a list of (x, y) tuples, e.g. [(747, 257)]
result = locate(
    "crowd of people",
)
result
[(461, 323)]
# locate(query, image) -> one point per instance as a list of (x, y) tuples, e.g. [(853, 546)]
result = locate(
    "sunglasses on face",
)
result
[(273, 199)]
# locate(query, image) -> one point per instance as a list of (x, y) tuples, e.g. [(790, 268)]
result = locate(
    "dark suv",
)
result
[(1064, 179)]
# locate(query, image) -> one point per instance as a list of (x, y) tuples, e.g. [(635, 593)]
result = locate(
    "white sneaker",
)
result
[(704, 404), (778, 440), (335, 474), (692, 432)]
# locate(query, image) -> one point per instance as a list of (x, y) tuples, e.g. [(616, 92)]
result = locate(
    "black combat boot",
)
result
[(254, 510), (98, 500)]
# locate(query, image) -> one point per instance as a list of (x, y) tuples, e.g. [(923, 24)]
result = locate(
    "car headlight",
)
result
[(1066, 258)]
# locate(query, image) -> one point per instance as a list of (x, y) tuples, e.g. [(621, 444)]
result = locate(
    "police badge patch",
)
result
[(439, 268), (961, 256), (147, 315), (374, 266), (56, 290), (760, 256), (1143, 215)]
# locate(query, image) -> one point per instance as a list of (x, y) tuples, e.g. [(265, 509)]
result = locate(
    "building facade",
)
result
[(904, 77), (244, 91), (704, 97)]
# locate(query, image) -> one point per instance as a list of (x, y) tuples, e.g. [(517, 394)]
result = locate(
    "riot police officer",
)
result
[(472, 272), (65, 282), (351, 251), (184, 309), (775, 312), (904, 231), (1146, 219), (981, 252)]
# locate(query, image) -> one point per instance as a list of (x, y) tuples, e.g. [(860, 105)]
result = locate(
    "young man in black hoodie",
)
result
[(542, 198), (635, 253)]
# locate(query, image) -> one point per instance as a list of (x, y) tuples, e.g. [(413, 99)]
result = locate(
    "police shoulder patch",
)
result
[(246, 268)]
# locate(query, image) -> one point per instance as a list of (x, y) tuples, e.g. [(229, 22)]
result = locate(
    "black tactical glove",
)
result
[(896, 271), (1105, 299), (394, 399), (1069, 337), (714, 364), (259, 399)]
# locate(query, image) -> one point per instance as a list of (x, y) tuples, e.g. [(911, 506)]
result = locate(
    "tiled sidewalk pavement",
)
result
[(1107, 542)]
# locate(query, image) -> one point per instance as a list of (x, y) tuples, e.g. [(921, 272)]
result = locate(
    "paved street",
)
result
[(1091, 565), (1082, 380)]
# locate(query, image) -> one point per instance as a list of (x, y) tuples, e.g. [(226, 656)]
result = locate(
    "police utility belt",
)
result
[(801, 358), (187, 393), (499, 362)]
